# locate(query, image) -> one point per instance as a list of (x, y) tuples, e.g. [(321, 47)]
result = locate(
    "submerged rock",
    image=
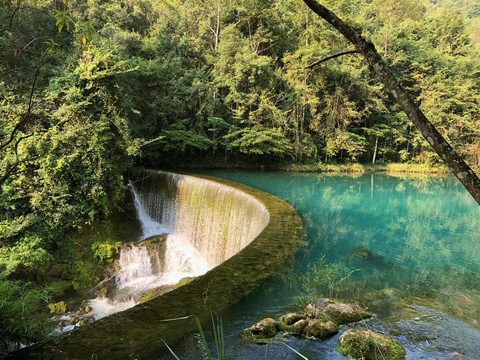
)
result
[(371, 258), (391, 303), (365, 344)]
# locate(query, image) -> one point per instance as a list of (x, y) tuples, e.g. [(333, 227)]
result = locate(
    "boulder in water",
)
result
[(339, 313), (365, 344), (264, 329), (320, 320), (342, 313), (320, 329), (299, 326), (291, 318)]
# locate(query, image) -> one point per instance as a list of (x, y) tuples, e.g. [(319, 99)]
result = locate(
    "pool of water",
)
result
[(412, 242)]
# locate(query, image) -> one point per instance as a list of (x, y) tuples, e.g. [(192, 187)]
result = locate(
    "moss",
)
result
[(156, 243), (86, 274), (299, 326), (368, 345), (341, 313), (58, 308), (184, 281), (264, 329), (153, 293), (320, 329), (83, 310), (291, 318), (104, 252), (58, 288)]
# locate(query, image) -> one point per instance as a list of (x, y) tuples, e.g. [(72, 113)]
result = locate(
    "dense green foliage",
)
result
[(89, 88), (18, 318)]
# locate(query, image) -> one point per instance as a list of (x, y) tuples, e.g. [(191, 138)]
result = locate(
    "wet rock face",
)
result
[(365, 344)]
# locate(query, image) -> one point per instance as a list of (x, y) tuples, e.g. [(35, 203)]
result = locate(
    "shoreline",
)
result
[(326, 168)]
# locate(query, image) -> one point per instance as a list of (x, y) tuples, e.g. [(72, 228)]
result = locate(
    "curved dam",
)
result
[(218, 221), (242, 234)]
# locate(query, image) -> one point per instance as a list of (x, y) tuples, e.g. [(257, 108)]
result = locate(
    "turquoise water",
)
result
[(414, 242)]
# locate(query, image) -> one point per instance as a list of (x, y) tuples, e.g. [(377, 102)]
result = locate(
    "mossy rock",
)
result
[(291, 318), (184, 281), (299, 326), (58, 308), (293, 323), (73, 320), (153, 293), (342, 313), (365, 344), (157, 242), (83, 310), (320, 329), (264, 329)]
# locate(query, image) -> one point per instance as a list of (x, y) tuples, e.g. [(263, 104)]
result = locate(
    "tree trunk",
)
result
[(375, 151), (454, 162)]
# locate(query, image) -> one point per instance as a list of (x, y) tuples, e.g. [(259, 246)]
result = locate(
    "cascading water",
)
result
[(203, 223)]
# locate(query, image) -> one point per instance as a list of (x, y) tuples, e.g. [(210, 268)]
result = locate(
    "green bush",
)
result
[(104, 251), (20, 319)]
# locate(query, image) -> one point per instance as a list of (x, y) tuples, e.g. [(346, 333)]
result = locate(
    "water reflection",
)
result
[(419, 236)]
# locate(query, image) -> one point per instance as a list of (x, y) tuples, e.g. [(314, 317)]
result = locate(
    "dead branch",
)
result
[(331, 57)]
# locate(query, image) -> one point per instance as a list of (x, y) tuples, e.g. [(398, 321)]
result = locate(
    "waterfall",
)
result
[(216, 219), (204, 224)]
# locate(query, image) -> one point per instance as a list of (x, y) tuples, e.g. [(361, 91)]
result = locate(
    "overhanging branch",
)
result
[(331, 57), (450, 157)]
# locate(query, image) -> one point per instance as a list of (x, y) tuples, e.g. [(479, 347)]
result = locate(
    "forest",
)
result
[(92, 88)]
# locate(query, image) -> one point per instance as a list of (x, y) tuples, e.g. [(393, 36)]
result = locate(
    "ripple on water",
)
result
[(436, 334)]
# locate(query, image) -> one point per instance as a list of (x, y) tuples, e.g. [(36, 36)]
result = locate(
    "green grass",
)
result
[(364, 168)]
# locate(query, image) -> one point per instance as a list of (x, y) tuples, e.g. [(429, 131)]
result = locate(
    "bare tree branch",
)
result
[(331, 57), (450, 157)]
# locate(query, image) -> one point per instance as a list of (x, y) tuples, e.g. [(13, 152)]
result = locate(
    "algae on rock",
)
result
[(319, 320), (365, 344)]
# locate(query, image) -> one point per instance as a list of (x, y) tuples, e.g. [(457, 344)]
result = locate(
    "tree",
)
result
[(454, 162)]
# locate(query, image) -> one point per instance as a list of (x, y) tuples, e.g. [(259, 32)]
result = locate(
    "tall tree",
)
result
[(455, 163)]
